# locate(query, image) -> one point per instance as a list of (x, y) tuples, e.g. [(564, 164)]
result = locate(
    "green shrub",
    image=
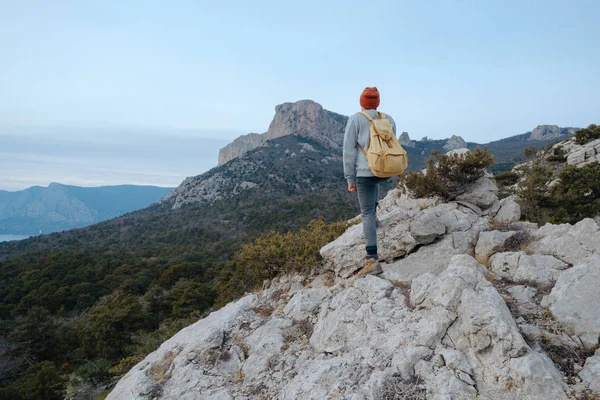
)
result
[(577, 195), (533, 195), (275, 253), (507, 178), (558, 155), (574, 197), (585, 135), (448, 175)]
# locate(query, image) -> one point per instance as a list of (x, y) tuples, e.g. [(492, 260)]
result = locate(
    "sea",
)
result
[(7, 238)]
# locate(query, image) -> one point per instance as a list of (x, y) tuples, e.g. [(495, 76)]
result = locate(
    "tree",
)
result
[(42, 381)]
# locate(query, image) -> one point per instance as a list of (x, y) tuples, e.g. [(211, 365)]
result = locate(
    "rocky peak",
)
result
[(546, 132), (303, 118), (495, 325), (240, 146), (404, 140), (455, 142)]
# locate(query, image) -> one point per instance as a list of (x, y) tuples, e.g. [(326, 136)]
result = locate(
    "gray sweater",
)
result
[(357, 132)]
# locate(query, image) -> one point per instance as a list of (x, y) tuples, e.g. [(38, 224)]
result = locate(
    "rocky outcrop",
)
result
[(548, 132), (518, 321), (455, 142), (404, 140), (579, 155), (304, 118), (240, 146), (308, 119)]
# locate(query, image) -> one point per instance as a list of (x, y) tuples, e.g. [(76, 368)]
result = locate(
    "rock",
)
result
[(305, 303), (570, 299), (482, 193), (576, 157), (455, 142), (570, 244), (405, 141), (510, 211), (428, 259), (427, 226), (240, 146), (461, 150), (545, 132), (304, 118), (169, 370), (520, 267), (591, 371), (491, 242)]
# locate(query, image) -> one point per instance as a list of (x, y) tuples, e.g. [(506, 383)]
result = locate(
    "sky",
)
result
[(205, 72)]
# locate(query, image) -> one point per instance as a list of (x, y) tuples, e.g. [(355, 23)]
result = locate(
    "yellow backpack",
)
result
[(385, 157)]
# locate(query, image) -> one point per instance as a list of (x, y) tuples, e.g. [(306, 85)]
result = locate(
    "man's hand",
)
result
[(352, 187)]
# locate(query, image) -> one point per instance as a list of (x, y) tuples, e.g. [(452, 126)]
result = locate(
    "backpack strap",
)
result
[(366, 115), (379, 114)]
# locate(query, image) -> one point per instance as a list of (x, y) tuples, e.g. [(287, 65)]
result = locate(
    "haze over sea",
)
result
[(7, 238), (32, 156)]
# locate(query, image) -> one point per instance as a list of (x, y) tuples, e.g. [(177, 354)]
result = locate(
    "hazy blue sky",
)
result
[(479, 69)]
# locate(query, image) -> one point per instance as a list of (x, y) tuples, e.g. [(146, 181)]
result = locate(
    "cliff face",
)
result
[(240, 146), (303, 118), (309, 119), (455, 142), (510, 321), (545, 132)]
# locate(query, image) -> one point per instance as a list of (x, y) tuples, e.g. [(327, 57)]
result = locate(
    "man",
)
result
[(359, 176)]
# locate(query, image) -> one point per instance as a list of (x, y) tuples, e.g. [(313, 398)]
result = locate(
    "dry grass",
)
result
[(159, 370), (484, 260), (397, 389), (238, 376), (404, 288), (517, 242), (300, 331), (264, 311), (241, 343), (277, 294)]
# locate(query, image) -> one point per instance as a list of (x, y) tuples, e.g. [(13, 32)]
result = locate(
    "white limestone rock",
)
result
[(482, 193), (520, 267), (572, 298), (491, 242), (455, 142), (591, 371), (510, 211), (570, 244), (175, 367)]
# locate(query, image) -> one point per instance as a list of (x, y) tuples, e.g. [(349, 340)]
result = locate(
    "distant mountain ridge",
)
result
[(304, 118), (60, 207), (309, 119)]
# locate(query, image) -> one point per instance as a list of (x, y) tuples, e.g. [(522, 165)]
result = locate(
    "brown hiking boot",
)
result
[(372, 267)]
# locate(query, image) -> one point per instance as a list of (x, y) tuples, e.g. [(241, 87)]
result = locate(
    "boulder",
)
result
[(510, 211), (570, 244), (571, 300), (591, 371), (491, 242), (520, 267), (482, 193)]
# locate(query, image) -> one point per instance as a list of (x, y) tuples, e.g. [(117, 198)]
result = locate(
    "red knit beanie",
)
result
[(369, 99)]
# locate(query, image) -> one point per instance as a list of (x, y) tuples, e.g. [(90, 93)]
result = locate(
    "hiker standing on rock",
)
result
[(365, 169)]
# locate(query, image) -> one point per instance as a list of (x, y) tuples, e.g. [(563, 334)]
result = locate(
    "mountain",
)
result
[(551, 132), (309, 119), (304, 118), (104, 296), (61, 207), (472, 304)]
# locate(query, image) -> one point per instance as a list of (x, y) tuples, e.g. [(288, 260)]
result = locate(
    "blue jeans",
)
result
[(368, 192)]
